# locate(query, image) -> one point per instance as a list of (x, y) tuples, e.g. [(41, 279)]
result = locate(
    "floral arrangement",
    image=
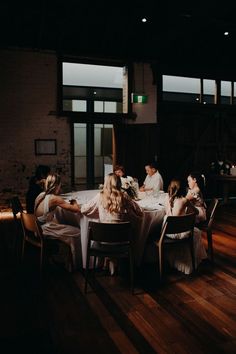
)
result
[(130, 186)]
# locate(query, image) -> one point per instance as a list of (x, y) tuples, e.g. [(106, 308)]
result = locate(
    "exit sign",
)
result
[(136, 98)]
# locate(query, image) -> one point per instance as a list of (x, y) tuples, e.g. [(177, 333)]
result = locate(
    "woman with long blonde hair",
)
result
[(112, 205)]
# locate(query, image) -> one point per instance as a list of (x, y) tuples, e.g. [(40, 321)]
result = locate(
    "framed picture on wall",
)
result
[(45, 146)]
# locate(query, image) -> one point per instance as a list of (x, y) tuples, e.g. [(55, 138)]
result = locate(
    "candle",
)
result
[(233, 170)]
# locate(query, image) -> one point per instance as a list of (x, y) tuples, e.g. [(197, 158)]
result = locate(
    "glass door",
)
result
[(93, 149)]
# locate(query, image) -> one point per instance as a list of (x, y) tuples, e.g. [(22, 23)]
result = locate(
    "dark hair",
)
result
[(42, 171), (152, 164), (200, 179), (119, 167)]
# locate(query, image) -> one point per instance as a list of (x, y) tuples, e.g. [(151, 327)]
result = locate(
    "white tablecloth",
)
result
[(154, 212), (153, 216), (79, 220)]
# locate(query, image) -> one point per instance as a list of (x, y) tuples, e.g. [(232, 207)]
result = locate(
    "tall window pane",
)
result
[(234, 98), (80, 152), (209, 91), (225, 92)]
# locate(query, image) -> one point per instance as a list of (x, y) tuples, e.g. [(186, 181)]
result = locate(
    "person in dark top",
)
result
[(36, 186)]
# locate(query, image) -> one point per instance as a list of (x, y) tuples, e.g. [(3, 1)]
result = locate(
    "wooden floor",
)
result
[(187, 314)]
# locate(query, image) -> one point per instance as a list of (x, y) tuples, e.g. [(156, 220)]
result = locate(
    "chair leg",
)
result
[(94, 262), (41, 262), (86, 273), (131, 267), (210, 245), (192, 255), (160, 262), (23, 250)]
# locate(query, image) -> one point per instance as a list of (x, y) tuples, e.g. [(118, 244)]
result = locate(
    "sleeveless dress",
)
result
[(179, 257), (66, 233), (198, 202)]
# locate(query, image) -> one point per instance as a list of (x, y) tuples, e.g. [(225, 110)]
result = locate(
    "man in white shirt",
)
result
[(153, 181)]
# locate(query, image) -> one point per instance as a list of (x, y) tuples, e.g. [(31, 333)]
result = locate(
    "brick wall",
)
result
[(28, 92)]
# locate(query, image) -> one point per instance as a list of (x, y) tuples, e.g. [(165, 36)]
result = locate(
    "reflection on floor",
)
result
[(187, 314)]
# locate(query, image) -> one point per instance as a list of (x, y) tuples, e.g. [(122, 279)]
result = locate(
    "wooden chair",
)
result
[(112, 240), (16, 208), (175, 225), (33, 234), (207, 225)]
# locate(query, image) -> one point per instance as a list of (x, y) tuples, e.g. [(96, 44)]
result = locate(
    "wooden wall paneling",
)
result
[(136, 145)]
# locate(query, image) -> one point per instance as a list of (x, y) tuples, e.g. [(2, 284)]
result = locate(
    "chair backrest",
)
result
[(31, 227), (210, 212), (16, 206), (178, 224), (110, 232)]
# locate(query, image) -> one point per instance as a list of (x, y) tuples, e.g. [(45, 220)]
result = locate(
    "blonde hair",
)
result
[(112, 198), (53, 181)]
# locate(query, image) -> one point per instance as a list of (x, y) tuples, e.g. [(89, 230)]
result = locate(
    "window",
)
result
[(94, 149), (234, 95), (93, 88), (225, 90), (209, 91), (181, 89)]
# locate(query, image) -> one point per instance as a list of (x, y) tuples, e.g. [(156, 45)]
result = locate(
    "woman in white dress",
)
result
[(176, 204), (112, 205), (45, 208), (196, 183)]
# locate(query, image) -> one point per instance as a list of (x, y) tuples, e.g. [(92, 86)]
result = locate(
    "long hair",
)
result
[(200, 180), (111, 195), (175, 190), (52, 182)]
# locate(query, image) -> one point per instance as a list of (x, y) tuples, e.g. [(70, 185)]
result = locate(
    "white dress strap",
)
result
[(43, 218)]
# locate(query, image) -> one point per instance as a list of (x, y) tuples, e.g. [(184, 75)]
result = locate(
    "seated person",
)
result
[(153, 181), (111, 204), (196, 183), (177, 204), (36, 186), (128, 183), (45, 208)]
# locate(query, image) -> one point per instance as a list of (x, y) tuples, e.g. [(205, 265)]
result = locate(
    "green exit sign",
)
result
[(136, 98)]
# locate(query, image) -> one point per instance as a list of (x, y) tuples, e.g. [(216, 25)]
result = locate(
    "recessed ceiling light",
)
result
[(144, 19), (226, 33)]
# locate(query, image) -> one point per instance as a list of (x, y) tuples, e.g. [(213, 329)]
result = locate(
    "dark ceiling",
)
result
[(187, 38)]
